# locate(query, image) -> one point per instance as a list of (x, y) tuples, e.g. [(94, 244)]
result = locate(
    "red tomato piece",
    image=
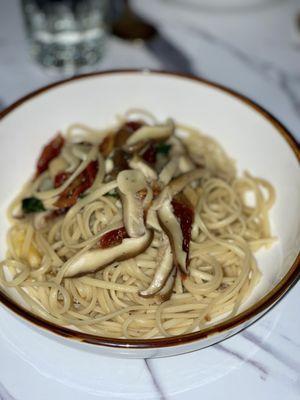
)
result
[(50, 151), (80, 184), (113, 238), (61, 178)]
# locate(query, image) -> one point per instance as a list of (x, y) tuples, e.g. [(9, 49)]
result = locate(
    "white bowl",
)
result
[(249, 134)]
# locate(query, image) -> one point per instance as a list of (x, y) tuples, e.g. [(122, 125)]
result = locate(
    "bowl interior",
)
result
[(246, 134)]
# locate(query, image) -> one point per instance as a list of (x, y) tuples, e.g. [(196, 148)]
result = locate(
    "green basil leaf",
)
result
[(32, 205), (163, 148)]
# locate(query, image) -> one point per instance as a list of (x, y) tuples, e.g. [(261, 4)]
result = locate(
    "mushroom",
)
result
[(156, 132), (166, 292), (152, 220), (137, 163), (180, 152), (176, 186), (130, 182), (172, 228), (135, 148), (179, 183), (168, 171), (164, 263), (178, 146), (94, 260)]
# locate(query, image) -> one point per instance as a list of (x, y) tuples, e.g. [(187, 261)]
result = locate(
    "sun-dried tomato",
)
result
[(60, 178), (50, 151), (113, 238), (83, 181)]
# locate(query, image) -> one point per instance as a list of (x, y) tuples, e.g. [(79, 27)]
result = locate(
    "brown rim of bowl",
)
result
[(248, 315)]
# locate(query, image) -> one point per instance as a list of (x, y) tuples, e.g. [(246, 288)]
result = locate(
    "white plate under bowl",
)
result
[(250, 135)]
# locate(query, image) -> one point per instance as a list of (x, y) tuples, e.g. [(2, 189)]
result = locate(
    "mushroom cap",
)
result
[(139, 164), (130, 181), (94, 260), (164, 267)]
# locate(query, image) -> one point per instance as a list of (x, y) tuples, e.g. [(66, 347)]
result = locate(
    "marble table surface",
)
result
[(255, 50)]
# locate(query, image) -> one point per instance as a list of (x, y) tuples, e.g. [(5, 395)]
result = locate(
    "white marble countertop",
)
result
[(256, 51)]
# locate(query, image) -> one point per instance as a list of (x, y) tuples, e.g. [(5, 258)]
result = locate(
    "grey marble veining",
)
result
[(263, 372), (274, 351), (4, 395), (156, 383)]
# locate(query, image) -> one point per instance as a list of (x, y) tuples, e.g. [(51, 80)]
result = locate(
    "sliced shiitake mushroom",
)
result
[(152, 220), (179, 183), (178, 148), (181, 153), (166, 292), (176, 186), (164, 267), (172, 228), (168, 171), (130, 182), (94, 260), (139, 164)]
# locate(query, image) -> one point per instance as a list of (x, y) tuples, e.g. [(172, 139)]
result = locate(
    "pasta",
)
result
[(140, 230)]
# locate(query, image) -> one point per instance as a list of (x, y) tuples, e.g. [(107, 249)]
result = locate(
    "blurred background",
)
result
[(252, 46)]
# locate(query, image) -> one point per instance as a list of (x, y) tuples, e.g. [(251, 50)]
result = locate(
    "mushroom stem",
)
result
[(172, 228), (130, 182), (168, 171), (138, 164), (179, 183), (164, 268), (166, 292), (152, 220)]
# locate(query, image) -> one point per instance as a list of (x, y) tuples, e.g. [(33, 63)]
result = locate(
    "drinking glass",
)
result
[(66, 34)]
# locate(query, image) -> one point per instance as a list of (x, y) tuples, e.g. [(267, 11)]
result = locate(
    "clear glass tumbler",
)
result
[(66, 34)]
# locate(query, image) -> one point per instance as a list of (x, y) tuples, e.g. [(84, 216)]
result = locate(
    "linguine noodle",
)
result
[(53, 244)]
